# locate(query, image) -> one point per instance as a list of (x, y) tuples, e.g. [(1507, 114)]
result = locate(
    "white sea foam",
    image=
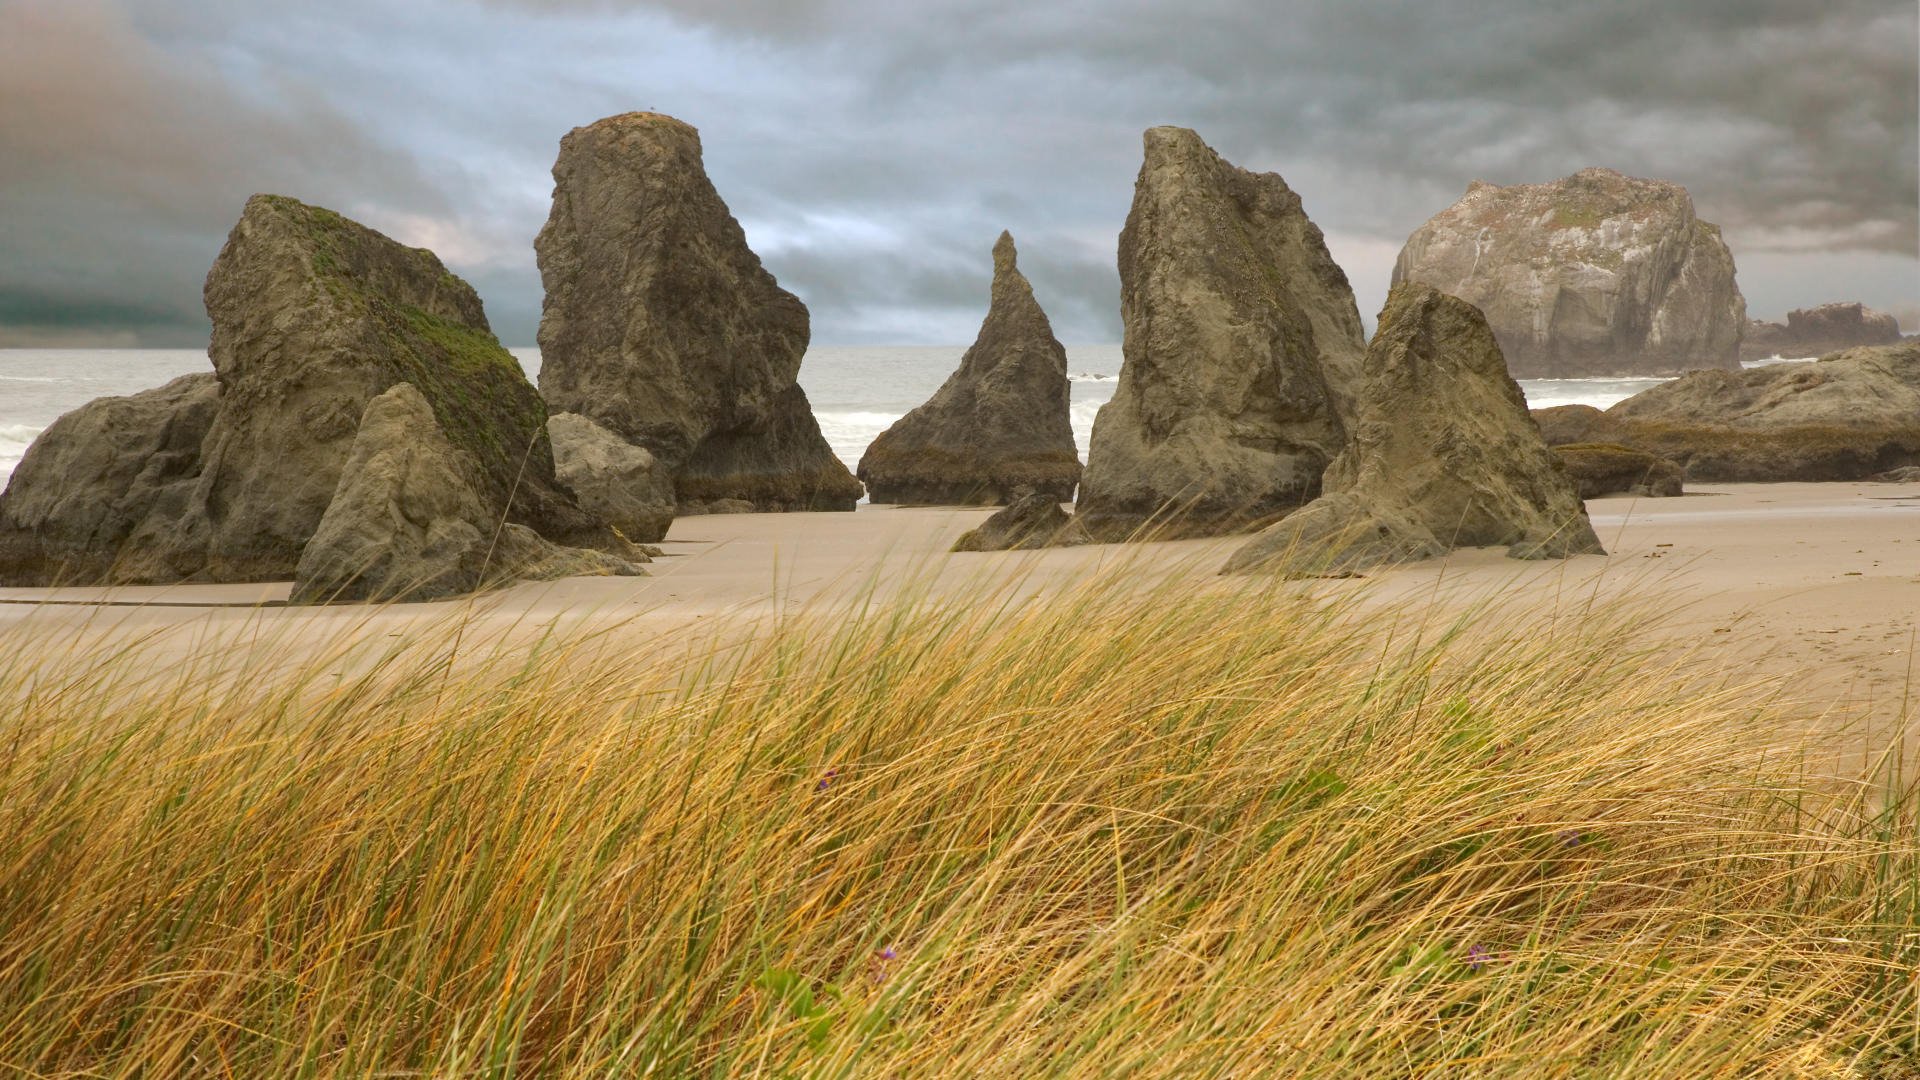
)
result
[(14, 440), (1092, 376)]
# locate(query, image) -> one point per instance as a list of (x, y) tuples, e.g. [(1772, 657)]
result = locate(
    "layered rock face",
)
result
[(1028, 522), (1818, 331), (1443, 455), (662, 326), (999, 424), (1596, 274), (110, 470), (1240, 335), (1848, 416), (313, 317), (617, 482), (411, 519)]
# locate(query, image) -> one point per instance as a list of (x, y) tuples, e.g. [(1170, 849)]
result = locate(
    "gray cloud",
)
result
[(874, 149)]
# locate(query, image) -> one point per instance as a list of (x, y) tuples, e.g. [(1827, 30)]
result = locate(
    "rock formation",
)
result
[(411, 520), (1030, 521), (1240, 336), (1000, 423), (662, 326), (1818, 331), (112, 469), (1606, 469), (1443, 455), (1848, 416), (1596, 274), (313, 317), (616, 482)]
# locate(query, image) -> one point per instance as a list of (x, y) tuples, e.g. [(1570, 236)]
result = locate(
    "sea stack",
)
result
[(1598, 274), (999, 424), (314, 316), (1818, 331), (1443, 456), (1240, 337), (661, 325)]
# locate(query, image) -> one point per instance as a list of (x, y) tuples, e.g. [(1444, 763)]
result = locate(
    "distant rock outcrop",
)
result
[(1818, 331), (1443, 455), (662, 326), (313, 317), (1000, 423), (617, 482), (408, 521), (1241, 336), (1595, 274), (1606, 469), (1030, 521), (1848, 416), (114, 468)]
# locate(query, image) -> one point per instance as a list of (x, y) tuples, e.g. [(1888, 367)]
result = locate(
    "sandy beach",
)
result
[(1818, 584)]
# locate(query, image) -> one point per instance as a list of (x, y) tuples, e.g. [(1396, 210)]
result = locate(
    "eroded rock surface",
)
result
[(1847, 416), (1595, 274), (999, 424), (662, 326), (1241, 336), (411, 519), (1443, 456), (615, 481)]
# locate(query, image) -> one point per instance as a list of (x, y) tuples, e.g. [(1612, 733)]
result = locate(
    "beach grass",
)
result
[(1137, 831)]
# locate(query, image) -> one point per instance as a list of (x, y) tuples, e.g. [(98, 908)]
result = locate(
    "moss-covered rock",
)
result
[(1848, 416), (314, 316), (1610, 469)]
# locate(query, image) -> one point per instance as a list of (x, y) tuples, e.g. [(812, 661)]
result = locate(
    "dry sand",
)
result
[(1816, 582)]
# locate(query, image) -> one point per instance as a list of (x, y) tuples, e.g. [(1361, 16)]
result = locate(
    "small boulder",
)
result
[(662, 326), (614, 480), (1241, 343), (1594, 274), (1610, 469), (1031, 521), (1000, 423), (409, 521), (1443, 456)]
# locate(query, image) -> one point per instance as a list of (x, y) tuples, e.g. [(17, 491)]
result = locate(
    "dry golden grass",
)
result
[(1134, 833)]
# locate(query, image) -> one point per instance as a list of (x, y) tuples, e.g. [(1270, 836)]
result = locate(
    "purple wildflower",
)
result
[(827, 780), (880, 966), (1569, 837), (1479, 956)]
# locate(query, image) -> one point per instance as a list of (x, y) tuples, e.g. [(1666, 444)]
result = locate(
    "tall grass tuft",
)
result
[(1132, 833)]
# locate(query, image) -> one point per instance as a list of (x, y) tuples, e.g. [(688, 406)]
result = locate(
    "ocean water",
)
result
[(856, 391)]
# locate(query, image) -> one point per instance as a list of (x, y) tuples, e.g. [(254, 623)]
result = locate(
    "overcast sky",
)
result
[(873, 149)]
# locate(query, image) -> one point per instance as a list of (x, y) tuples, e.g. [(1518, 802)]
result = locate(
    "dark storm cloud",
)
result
[(873, 150), (124, 163)]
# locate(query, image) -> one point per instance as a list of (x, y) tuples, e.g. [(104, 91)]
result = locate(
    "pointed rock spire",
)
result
[(1241, 335), (1000, 424)]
